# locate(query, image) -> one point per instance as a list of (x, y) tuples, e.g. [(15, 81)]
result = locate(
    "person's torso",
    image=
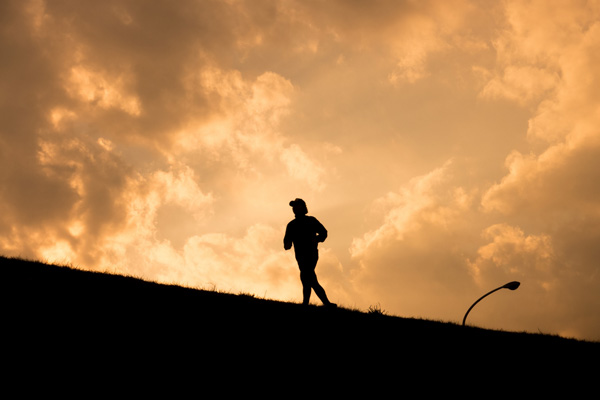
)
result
[(303, 232)]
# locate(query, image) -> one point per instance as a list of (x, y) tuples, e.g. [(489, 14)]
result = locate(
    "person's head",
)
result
[(299, 207)]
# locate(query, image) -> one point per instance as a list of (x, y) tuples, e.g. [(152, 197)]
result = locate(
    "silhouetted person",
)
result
[(305, 233)]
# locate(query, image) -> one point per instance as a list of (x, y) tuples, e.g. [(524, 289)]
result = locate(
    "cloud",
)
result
[(561, 174), (511, 255), (521, 84), (552, 192), (139, 138), (106, 92), (445, 145), (300, 166), (407, 209), (222, 260), (546, 199), (417, 255)]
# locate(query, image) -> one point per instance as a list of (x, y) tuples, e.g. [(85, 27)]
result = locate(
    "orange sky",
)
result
[(449, 147)]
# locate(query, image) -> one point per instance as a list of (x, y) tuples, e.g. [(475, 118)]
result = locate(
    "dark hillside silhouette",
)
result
[(89, 320)]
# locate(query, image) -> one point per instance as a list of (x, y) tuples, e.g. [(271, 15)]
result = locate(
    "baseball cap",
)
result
[(297, 202)]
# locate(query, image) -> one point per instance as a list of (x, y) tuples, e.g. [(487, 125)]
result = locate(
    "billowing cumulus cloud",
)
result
[(448, 147)]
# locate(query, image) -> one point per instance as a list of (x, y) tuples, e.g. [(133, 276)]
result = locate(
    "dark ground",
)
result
[(108, 329)]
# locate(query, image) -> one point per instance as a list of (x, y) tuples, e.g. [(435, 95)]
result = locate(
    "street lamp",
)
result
[(510, 285)]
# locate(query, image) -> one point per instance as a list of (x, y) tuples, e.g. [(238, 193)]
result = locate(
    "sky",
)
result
[(448, 147)]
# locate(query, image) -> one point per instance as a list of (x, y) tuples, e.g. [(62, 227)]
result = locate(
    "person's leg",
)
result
[(309, 280), (305, 278), (319, 291), (307, 261)]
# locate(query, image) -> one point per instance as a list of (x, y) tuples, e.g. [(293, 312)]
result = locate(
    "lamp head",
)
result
[(512, 285)]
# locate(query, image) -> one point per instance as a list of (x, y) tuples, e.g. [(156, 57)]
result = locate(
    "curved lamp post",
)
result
[(510, 285)]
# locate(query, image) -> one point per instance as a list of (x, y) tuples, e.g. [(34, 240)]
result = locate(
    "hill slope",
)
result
[(90, 318)]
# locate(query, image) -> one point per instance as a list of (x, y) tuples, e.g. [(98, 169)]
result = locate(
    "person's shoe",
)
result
[(331, 305)]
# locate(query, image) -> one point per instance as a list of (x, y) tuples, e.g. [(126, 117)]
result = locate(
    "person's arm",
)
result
[(287, 240), (321, 232)]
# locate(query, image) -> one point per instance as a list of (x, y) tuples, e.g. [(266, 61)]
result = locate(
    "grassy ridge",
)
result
[(90, 318)]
